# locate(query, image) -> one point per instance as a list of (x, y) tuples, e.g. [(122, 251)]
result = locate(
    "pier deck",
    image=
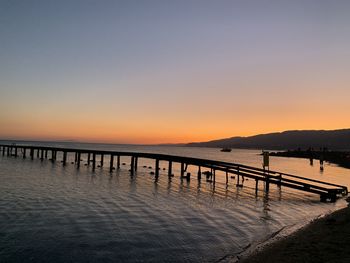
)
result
[(326, 191)]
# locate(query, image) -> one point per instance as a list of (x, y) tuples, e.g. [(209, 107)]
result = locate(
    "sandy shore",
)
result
[(324, 240)]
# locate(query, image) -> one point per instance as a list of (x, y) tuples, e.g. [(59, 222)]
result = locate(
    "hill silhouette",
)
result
[(332, 139)]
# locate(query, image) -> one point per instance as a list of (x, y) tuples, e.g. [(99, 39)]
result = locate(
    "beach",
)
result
[(324, 240)]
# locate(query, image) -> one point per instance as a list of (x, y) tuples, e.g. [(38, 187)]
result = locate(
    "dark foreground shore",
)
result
[(324, 240)]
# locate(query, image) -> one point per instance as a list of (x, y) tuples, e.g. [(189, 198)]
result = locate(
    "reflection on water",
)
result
[(51, 213)]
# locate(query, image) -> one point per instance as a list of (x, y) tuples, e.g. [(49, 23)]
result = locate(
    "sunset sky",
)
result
[(172, 71)]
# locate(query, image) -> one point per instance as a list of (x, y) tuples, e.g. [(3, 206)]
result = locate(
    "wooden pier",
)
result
[(327, 191)]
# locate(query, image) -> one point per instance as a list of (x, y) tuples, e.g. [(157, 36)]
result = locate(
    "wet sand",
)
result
[(324, 240)]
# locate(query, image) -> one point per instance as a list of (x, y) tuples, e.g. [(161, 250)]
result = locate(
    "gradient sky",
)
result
[(172, 71)]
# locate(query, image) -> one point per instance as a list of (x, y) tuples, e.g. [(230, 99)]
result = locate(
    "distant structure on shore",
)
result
[(333, 140), (341, 158), (226, 150)]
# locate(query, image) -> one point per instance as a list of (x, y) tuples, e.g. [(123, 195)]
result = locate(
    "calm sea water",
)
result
[(51, 213)]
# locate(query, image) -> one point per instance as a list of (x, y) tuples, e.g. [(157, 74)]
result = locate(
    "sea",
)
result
[(55, 213)]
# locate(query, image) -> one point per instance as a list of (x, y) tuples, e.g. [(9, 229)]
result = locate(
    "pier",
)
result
[(328, 192)]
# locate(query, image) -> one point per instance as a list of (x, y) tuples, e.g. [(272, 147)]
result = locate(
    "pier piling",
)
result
[(102, 156), (157, 168), (135, 163), (267, 184), (64, 158), (78, 160), (132, 165), (111, 164), (93, 161), (170, 168), (118, 162), (182, 169)]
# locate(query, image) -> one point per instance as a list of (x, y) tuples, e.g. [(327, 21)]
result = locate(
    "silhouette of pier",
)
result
[(327, 191)]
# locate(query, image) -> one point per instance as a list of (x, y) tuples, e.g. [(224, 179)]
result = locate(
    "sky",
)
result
[(172, 71)]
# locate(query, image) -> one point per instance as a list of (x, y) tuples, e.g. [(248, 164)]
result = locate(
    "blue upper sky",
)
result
[(242, 67)]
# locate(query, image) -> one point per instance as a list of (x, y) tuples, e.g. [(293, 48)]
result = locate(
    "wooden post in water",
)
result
[(111, 163), (237, 176), (37, 153), (279, 180), (31, 153), (93, 161), (78, 160), (226, 177), (267, 183), (118, 162), (24, 152), (102, 156), (42, 155), (64, 158), (256, 186), (8, 151), (199, 173), (170, 168), (75, 157), (3, 150), (266, 163), (16, 151), (46, 154), (157, 168), (132, 165), (214, 177), (88, 162), (136, 163), (182, 169)]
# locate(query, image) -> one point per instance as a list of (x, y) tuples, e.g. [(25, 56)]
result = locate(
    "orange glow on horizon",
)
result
[(153, 133)]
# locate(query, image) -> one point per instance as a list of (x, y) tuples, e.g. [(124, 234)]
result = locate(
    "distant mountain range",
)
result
[(333, 140)]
